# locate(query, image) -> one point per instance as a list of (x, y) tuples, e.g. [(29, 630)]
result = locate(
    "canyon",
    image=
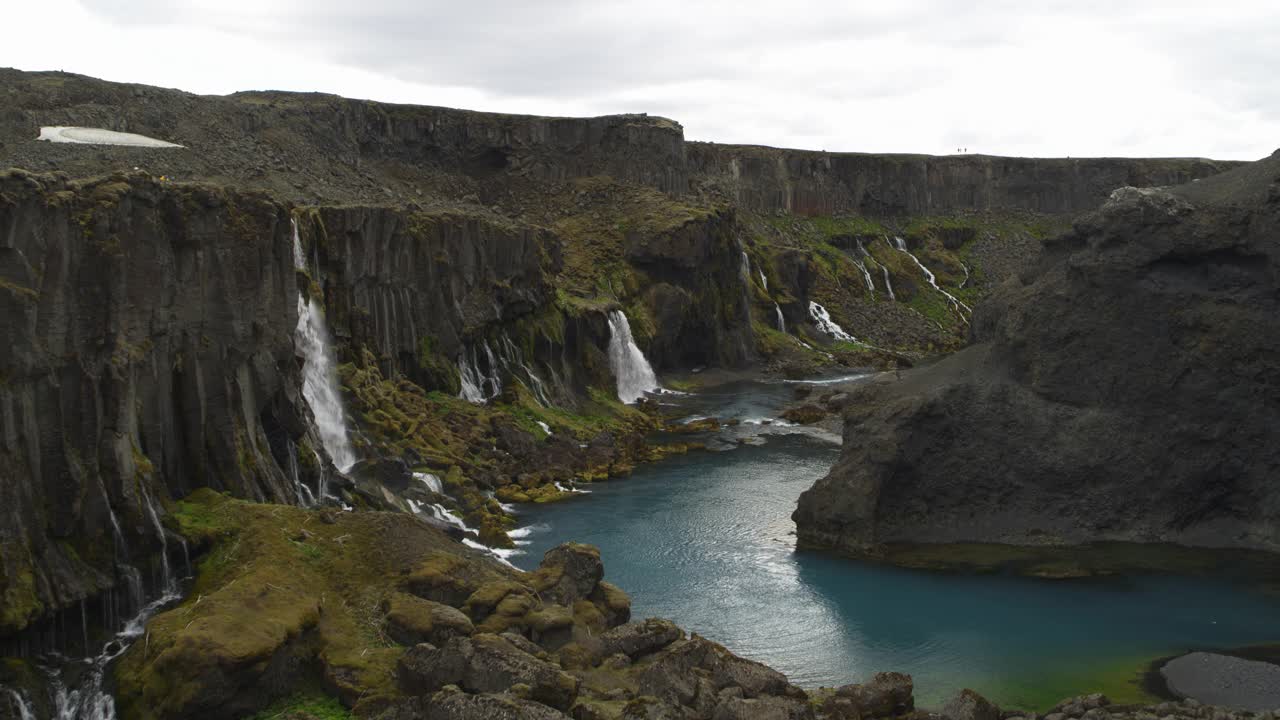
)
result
[(495, 292)]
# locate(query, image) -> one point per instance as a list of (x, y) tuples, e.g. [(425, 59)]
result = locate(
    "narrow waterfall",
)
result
[(635, 375), (745, 268), (888, 283), (965, 281), (169, 582), (958, 306), (481, 371), (823, 320), (782, 322), (319, 374), (866, 275), (764, 281)]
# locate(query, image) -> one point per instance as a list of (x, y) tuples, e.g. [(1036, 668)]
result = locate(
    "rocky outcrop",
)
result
[(821, 183), (1123, 391)]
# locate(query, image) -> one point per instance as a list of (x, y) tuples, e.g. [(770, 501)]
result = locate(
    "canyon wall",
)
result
[(313, 148), (820, 183), (148, 351), (1123, 391)]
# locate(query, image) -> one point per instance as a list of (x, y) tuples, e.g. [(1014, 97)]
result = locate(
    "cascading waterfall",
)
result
[(431, 480), (482, 382), (87, 699), (866, 275), (169, 582), (744, 268), (823, 320), (862, 265), (319, 374), (21, 706), (635, 375), (956, 305), (965, 281), (888, 284), (764, 281), (782, 322)]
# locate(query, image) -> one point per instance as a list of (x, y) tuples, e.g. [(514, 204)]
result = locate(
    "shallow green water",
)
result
[(706, 540)]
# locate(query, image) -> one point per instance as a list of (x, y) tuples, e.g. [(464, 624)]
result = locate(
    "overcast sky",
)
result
[(1008, 77)]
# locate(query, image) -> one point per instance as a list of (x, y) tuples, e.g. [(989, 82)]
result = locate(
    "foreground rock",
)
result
[(423, 628), (1118, 393), (1224, 680)]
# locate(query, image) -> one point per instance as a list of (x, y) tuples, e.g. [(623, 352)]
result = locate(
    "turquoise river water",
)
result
[(706, 540)]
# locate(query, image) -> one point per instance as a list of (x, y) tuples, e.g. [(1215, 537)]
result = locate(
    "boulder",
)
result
[(447, 705), (412, 620), (568, 572), (484, 663), (969, 705), (887, 694), (640, 638), (767, 708)]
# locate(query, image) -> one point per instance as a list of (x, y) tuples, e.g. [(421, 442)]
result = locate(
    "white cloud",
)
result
[(1052, 78)]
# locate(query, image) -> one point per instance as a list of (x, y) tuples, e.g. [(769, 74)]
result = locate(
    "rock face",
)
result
[(148, 351), (821, 183), (312, 147), (1126, 391)]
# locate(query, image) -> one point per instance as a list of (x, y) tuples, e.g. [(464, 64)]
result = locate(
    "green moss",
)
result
[(305, 706)]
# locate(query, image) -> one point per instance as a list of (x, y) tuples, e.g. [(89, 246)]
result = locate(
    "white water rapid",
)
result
[(635, 375)]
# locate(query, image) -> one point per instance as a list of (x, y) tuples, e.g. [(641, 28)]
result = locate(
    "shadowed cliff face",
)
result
[(1126, 392), (148, 351)]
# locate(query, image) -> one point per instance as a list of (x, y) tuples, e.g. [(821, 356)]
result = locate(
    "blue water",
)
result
[(706, 540)]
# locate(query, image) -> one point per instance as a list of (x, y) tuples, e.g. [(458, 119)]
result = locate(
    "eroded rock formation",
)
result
[(1125, 390)]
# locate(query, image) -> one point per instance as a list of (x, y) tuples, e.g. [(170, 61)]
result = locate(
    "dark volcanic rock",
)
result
[(1127, 391)]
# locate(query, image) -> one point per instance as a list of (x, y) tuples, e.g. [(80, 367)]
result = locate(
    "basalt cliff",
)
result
[(1123, 388), (469, 277)]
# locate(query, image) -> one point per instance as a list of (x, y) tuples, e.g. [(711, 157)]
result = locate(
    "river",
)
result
[(706, 540)]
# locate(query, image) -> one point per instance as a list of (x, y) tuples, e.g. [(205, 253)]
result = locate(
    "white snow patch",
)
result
[(98, 136)]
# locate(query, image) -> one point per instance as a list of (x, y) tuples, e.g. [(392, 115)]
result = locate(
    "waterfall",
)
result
[(306, 498), (955, 303), (483, 382), (319, 373), (888, 284), (764, 281), (966, 275), (782, 322), (871, 288), (823, 320), (744, 268), (431, 480), (170, 583), (20, 704), (635, 375)]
